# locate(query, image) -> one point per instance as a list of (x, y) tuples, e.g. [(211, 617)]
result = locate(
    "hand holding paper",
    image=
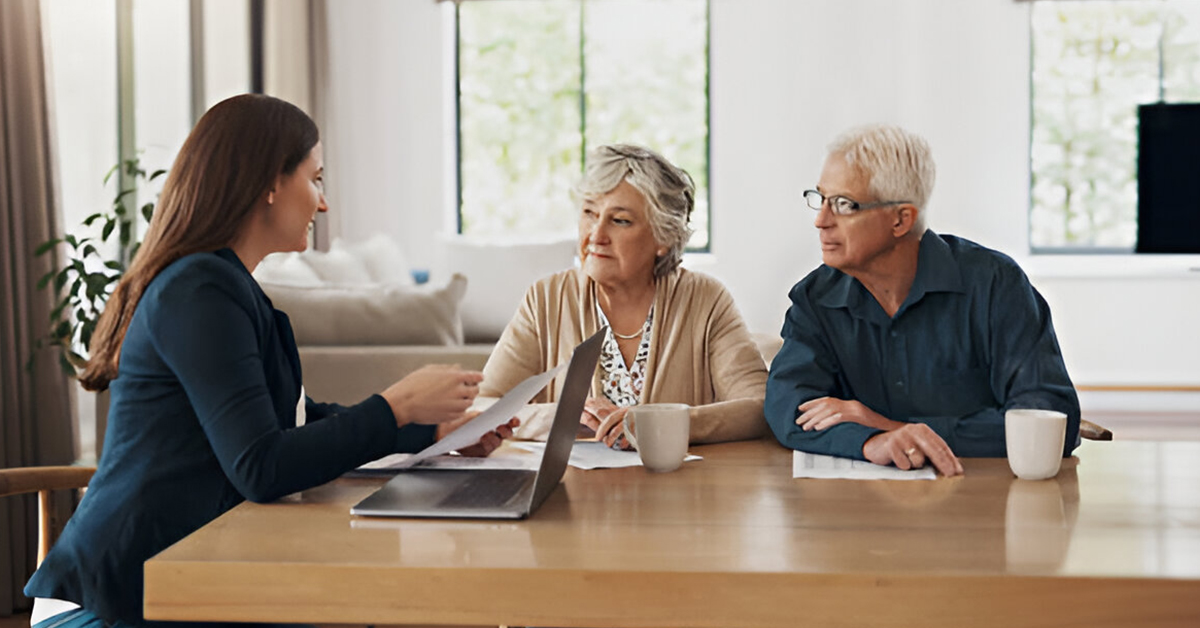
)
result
[(490, 440), (498, 414)]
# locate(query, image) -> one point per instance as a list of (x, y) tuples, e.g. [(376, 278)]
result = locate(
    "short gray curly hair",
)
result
[(669, 191), (899, 164)]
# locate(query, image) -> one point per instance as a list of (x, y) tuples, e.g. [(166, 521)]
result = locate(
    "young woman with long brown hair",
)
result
[(205, 378)]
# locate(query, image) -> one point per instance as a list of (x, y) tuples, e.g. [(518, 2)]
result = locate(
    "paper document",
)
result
[(806, 465), (387, 465), (596, 455), (498, 414)]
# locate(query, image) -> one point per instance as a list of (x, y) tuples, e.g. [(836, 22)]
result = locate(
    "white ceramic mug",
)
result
[(1034, 439), (659, 432)]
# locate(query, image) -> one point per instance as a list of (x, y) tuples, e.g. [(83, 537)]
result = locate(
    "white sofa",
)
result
[(361, 322)]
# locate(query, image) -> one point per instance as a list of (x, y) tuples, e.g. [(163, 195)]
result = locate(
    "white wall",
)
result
[(786, 77)]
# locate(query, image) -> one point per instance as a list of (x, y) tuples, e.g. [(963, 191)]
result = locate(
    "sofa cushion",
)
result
[(338, 267), (288, 269), (383, 260), (500, 273), (374, 314)]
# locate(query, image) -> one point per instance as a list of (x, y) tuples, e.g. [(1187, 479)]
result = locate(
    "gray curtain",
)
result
[(35, 416)]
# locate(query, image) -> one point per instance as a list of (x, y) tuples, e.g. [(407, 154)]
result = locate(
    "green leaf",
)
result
[(66, 365), (63, 330), (61, 279), (147, 211), (110, 173), (44, 280), (126, 232), (85, 332), (132, 168), (96, 284), (93, 218), (70, 239), (89, 250), (156, 174), (46, 246), (120, 209), (115, 265), (108, 229)]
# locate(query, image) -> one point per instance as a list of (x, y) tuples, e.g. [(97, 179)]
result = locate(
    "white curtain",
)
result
[(296, 62)]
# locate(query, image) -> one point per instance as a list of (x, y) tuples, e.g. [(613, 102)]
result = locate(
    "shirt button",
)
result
[(894, 334), (899, 383)]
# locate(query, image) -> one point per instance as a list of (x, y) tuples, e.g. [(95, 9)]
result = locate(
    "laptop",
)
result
[(494, 493)]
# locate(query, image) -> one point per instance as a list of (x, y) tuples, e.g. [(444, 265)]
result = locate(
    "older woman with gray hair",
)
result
[(673, 335)]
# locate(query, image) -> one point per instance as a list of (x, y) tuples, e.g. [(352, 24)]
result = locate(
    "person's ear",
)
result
[(275, 185), (906, 219)]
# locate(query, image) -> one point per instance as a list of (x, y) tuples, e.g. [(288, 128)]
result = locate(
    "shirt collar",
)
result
[(228, 255), (936, 272)]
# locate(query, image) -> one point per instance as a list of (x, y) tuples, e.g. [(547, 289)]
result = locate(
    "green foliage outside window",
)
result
[(540, 81), (1093, 63)]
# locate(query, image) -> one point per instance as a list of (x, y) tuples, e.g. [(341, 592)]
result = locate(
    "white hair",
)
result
[(898, 164), (669, 192)]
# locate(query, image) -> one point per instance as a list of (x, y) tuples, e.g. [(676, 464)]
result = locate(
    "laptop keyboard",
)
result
[(484, 490)]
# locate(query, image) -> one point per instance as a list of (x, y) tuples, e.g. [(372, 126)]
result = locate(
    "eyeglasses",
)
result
[(841, 205)]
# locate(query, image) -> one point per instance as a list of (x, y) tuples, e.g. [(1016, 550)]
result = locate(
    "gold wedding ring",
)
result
[(910, 451)]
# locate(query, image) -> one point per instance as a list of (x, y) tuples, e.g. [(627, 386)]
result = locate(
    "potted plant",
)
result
[(90, 269)]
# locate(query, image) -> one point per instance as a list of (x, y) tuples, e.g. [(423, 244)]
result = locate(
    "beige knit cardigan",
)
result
[(701, 353)]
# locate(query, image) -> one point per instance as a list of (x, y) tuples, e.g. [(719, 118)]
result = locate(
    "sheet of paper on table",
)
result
[(589, 455), (389, 465), (806, 465)]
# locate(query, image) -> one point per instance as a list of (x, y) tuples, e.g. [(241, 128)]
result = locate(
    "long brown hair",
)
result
[(227, 163)]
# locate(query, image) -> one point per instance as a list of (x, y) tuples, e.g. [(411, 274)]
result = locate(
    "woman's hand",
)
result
[(433, 394), (826, 412), (607, 420), (595, 410), (486, 445)]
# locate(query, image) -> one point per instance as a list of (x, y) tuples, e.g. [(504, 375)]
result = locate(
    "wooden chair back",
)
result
[(43, 481)]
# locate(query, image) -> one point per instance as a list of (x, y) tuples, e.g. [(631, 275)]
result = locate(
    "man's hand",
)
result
[(910, 447), (826, 412)]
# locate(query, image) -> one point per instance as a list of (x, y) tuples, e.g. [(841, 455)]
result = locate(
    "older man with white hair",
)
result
[(906, 347)]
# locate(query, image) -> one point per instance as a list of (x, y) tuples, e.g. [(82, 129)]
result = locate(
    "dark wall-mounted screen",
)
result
[(1169, 178)]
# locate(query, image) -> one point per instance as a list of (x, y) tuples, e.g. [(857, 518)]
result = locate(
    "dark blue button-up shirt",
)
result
[(972, 339)]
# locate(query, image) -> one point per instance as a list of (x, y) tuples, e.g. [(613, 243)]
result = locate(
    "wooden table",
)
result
[(731, 540)]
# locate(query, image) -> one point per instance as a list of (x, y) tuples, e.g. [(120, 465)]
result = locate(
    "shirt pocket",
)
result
[(955, 392)]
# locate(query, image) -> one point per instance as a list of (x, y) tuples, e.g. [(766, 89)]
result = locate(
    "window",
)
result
[(1092, 64), (540, 81), (120, 76)]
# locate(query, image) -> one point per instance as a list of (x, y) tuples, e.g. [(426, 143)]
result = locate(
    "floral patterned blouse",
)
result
[(623, 386)]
